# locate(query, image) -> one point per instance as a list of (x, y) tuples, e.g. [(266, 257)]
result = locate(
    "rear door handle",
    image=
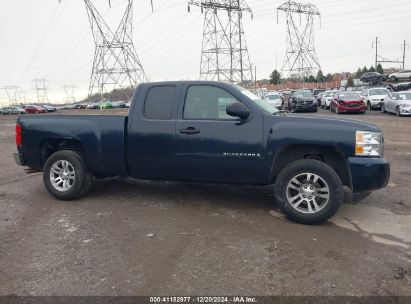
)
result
[(189, 131)]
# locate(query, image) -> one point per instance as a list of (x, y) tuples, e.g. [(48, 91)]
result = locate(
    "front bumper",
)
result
[(304, 107), (369, 174), (18, 158), (352, 109), (405, 110)]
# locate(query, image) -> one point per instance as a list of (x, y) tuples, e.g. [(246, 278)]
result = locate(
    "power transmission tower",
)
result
[(69, 89), (41, 90), (116, 64), (224, 49), (300, 57), (11, 92), (21, 97)]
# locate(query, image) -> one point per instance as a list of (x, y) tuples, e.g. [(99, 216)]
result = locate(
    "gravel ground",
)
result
[(131, 237)]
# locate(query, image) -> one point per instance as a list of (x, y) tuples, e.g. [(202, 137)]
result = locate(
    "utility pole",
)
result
[(255, 77), (224, 53), (376, 52), (404, 45)]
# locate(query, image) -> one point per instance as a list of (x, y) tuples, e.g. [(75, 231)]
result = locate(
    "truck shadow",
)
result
[(185, 193)]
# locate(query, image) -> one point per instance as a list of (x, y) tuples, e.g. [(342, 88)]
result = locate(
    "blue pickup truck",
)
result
[(212, 132)]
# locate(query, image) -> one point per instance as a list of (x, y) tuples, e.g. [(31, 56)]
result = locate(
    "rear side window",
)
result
[(159, 102)]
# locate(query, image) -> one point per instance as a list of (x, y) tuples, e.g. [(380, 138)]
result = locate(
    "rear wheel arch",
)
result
[(332, 156), (52, 145)]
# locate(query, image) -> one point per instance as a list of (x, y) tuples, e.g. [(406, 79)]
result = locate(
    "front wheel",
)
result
[(308, 191), (65, 175), (397, 111), (369, 108), (383, 108), (337, 111)]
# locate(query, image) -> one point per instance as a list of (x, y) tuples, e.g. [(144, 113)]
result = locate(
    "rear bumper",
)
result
[(369, 174), (18, 158)]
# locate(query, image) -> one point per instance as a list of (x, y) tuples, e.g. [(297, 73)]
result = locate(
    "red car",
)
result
[(35, 109), (344, 102)]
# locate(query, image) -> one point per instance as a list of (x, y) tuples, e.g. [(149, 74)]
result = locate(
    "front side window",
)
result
[(207, 102), (159, 102)]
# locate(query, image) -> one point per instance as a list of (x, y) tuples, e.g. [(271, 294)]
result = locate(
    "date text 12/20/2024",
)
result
[(203, 299)]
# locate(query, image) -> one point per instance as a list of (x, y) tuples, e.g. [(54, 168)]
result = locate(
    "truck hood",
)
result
[(326, 122), (379, 97)]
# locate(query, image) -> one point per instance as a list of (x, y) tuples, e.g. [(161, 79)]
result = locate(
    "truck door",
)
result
[(151, 132), (213, 146)]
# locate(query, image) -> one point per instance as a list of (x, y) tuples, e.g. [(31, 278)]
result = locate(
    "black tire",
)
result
[(326, 173), (82, 181), (393, 78), (358, 197), (315, 110), (383, 108), (397, 112), (369, 107), (337, 111)]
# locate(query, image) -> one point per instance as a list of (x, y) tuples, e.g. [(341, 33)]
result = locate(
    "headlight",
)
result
[(368, 143)]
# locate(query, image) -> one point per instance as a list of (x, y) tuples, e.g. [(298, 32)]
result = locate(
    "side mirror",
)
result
[(237, 109)]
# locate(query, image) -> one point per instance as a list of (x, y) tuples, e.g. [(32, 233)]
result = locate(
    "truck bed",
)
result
[(101, 139)]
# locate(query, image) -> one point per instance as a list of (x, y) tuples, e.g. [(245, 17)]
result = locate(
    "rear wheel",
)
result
[(308, 191), (65, 175)]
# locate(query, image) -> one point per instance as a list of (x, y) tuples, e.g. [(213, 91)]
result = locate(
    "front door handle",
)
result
[(190, 131)]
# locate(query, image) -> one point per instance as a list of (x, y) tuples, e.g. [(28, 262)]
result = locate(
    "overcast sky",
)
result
[(44, 39)]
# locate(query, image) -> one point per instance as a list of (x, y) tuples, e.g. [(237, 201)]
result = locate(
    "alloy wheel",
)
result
[(308, 193)]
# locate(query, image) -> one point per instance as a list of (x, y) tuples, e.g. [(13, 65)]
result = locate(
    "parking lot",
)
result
[(130, 237)]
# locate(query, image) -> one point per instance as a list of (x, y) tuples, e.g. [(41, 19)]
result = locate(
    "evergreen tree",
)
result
[(320, 76), (329, 77), (358, 73), (312, 79), (372, 69), (364, 70), (380, 69), (275, 77)]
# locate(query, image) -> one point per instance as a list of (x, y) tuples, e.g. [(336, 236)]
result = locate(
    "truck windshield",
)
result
[(261, 103)]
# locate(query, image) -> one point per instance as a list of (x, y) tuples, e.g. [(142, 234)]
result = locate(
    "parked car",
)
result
[(179, 131), (373, 97), (13, 111), (401, 75), (326, 98), (372, 77), (302, 100), (404, 86), (93, 105), (398, 103), (274, 99), (347, 102), (118, 104), (128, 104), (106, 105), (317, 94), (34, 109), (49, 108)]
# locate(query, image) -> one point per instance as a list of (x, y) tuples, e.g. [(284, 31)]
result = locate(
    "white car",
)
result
[(404, 74), (374, 97), (398, 103), (274, 99), (326, 98)]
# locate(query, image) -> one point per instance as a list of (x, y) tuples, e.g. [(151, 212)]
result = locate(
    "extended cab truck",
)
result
[(209, 132)]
